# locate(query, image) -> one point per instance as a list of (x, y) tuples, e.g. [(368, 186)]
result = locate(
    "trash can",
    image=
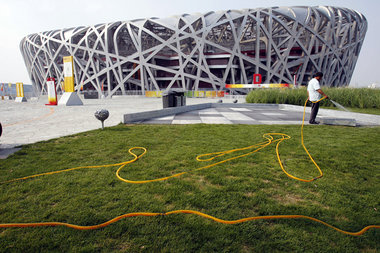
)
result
[(168, 99), (180, 99), (173, 99), (90, 94)]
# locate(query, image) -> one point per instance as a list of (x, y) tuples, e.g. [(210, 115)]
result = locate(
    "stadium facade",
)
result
[(202, 51)]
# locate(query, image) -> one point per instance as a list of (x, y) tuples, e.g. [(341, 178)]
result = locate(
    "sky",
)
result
[(19, 18)]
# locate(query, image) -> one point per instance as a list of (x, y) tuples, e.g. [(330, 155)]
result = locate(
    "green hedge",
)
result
[(348, 97)]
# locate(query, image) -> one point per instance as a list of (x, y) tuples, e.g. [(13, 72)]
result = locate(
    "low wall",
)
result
[(140, 116), (133, 117)]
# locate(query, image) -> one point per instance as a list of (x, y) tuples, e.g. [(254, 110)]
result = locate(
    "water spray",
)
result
[(339, 106)]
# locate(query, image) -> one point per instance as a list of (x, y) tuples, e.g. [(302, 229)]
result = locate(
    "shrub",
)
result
[(348, 97)]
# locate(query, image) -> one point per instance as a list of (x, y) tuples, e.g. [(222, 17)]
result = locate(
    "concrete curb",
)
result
[(133, 117), (5, 152), (338, 122)]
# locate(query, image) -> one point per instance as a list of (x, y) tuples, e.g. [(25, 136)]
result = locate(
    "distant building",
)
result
[(9, 89), (374, 86), (202, 51)]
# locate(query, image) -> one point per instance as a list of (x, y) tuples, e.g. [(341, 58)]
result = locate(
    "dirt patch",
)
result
[(289, 199), (158, 197), (249, 194), (202, 182)]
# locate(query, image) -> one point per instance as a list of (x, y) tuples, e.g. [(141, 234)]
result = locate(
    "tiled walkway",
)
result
[(225, 115)]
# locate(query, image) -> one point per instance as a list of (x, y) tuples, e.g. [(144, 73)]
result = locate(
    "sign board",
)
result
[(20, 93), (68, 71), (52, 93)]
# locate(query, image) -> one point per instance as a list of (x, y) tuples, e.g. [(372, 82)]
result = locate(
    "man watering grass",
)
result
[(314, 91)]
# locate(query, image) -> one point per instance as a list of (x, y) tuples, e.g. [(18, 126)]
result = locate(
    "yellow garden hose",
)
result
[(230, 222), (270, 138)]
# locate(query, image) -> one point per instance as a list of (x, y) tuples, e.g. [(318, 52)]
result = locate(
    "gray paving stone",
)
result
[(215, 120), (155, 121), (280, 122), (235, 116), (186, 121), (224, 109), (241, 109), (187, 116), (246, 122), (212, 115)]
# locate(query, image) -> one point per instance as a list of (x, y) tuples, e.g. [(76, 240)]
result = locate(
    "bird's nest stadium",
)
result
[(201, 52)]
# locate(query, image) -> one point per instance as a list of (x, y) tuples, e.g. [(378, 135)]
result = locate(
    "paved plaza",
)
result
[(33, 121)]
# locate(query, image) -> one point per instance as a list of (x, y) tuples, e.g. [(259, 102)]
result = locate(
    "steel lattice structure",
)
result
[(202, 51)]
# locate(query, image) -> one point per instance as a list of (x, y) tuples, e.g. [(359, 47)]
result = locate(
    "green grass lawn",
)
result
[(347, 196)]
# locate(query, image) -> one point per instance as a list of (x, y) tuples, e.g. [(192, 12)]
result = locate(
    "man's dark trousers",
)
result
[(314, 112)]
